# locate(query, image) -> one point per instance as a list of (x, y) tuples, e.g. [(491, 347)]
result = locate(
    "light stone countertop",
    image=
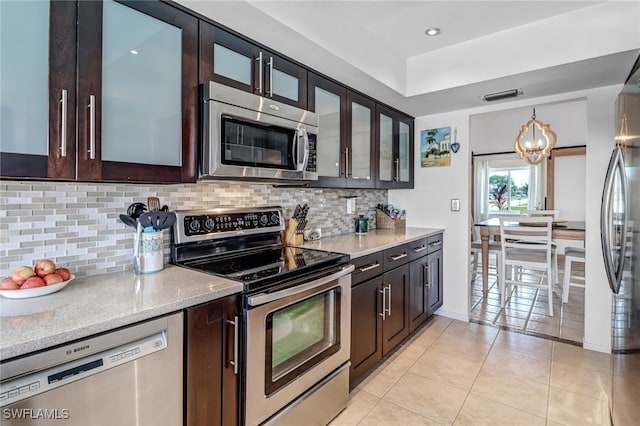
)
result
[(100, 303), (95, 304), (374, 241)]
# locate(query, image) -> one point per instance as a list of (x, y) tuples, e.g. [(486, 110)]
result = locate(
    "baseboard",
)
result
[(597, 348), (452, 315)]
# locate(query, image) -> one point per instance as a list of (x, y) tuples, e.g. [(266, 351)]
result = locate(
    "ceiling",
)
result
[(379, 47)]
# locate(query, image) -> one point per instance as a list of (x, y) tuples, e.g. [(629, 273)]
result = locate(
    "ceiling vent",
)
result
[(490, 97)]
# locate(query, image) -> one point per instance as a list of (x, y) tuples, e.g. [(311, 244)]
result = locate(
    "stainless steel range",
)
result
[(296, 311)]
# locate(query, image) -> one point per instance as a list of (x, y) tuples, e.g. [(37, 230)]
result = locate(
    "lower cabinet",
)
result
[(434, 283), (211, 384), (395, 307), (366, 326), (419, 292), (393, 292)]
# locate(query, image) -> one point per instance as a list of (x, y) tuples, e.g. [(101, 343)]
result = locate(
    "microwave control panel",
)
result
[(313, 153)]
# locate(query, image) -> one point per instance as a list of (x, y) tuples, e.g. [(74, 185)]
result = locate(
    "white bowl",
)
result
[(35, 292)]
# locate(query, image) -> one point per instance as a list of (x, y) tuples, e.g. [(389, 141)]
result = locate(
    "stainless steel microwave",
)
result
[(253, 137)]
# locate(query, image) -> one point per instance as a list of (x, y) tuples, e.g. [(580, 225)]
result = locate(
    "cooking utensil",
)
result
[(153, 203), (164, 208), (136, 248), (128, 220), (136, 209), (158, 220)]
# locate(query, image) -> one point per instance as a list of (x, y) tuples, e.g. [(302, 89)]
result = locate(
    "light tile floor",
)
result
[(457, 373), (527, 308)]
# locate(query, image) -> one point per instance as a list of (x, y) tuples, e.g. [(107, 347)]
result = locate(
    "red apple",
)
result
[(45, 267), (64, 273), (33, 282), (8, 284), (52, 279), (21, 273)]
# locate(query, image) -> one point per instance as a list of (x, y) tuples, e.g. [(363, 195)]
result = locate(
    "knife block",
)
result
[(291, 237)]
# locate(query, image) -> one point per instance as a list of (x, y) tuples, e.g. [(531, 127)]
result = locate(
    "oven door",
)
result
[(295, 338)]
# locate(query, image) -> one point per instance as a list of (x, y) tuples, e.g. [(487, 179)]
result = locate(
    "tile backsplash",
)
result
[(77, 225)]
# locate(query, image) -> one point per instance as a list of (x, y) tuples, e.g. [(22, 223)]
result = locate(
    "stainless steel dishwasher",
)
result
[(131, 376)]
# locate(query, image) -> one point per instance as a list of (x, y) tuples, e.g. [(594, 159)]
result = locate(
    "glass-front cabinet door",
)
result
[(329, 101), (346, 140), (137, 92), (236, 62), (395, 147), (361, 146), (37, 89)]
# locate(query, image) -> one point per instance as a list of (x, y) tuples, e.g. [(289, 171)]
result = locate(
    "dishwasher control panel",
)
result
[(26, 386)]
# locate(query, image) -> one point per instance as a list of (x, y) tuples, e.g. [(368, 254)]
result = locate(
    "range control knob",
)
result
[(208, 224), (194, 225), (275, 219), (264, 220)]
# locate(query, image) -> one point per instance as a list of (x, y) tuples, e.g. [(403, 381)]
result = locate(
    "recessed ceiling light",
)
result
[(133, 52), (432, 31)]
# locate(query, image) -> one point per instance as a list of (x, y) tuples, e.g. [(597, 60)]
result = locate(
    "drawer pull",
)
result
[(419, 249), (369, 267), (436, 243), (399, 256)]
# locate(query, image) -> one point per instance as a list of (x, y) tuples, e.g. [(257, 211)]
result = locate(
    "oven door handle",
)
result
[(262, 298)]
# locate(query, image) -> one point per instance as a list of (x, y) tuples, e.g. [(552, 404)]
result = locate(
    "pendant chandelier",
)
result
[(532, 147)]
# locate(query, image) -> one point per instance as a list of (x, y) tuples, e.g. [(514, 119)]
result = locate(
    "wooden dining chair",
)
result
[(532, 213), (572, 255), (495, 248), (528, 258)]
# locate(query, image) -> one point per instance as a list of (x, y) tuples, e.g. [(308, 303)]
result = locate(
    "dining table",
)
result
[(561, 230)]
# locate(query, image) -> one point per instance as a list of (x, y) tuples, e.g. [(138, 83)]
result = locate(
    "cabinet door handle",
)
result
[(389, 301), (399, 256), (384, 302), (369, 267), (397, 176), (92, 127), (234, 323), (260, 73), (270, 63), (426, 269), (436, 243), (419, 249), (346, 162), (63, 124)]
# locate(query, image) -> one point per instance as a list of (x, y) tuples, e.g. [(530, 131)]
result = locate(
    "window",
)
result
[(504, 184), (508, 188)]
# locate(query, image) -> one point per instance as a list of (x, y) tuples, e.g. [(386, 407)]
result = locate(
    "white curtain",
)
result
[(537, 186), (481, 189)]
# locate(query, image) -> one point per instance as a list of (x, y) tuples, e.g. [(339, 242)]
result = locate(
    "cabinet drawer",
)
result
[(434, 243), (366, 267), (417, 249), (396, 256)]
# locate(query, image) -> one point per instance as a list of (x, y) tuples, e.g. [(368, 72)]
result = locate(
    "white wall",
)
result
[(569, 186), (428, 204)]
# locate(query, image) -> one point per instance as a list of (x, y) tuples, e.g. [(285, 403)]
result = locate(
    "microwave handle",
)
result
[(302, 138)]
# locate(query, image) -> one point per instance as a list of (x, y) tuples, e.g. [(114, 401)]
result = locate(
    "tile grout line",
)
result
[(476, 376), (396, 381)]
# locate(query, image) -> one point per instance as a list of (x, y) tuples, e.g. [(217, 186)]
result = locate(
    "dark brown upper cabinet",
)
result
[(137, 92), (234, 61), (38, 137), (394, 136), (129, 112), (346, 143)]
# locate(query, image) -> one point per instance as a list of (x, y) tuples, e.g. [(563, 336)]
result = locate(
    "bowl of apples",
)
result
[(43, 278)]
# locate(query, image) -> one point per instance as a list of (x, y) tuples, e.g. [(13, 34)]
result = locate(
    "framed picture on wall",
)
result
[(435, 147)]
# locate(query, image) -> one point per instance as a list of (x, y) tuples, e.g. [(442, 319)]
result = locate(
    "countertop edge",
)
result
[(376, 240)]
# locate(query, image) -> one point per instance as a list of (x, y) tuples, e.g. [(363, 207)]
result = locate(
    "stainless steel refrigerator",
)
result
[(620, 219)]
